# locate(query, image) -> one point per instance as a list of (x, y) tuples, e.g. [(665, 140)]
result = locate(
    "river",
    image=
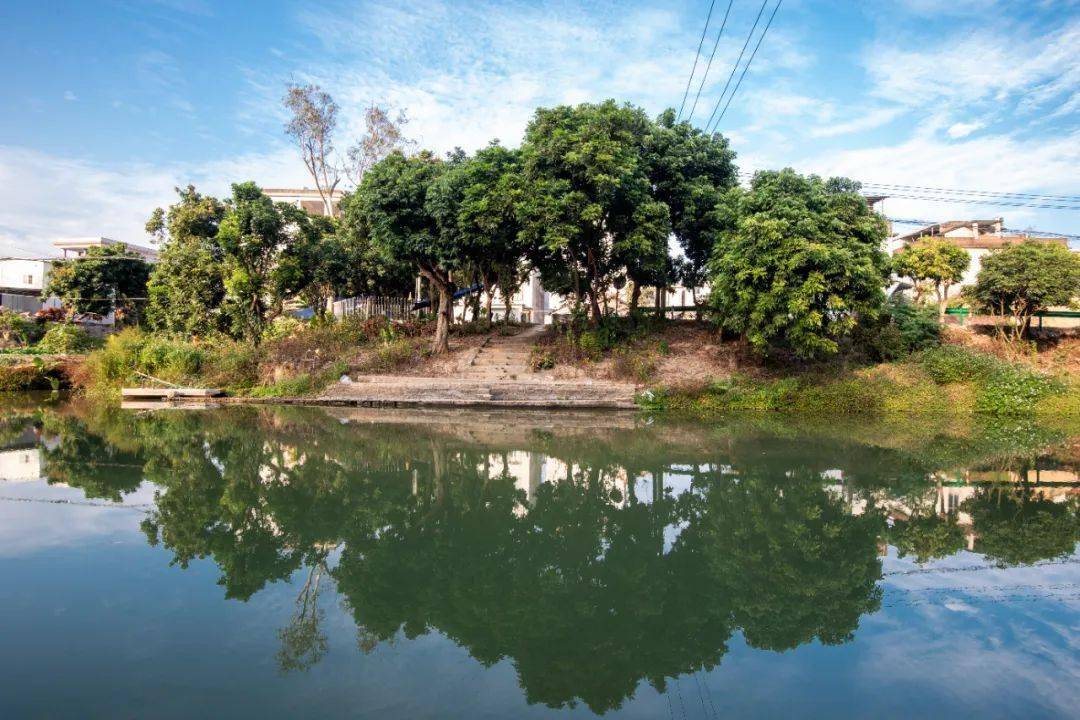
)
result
[(304, 562)]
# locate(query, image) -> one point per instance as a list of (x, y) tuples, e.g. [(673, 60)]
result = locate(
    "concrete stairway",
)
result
[(497, 374), (502, 357)]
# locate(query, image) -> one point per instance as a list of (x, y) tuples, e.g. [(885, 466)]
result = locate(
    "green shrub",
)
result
[(16, 327), (917, 324), (633, 365), (590, 345), (541, 360), (953, 364), (170, 359), (281, 327), (63, 339), (1014, 391)]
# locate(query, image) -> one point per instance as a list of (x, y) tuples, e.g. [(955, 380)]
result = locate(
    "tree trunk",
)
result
[(635, 297), (594, 305), (440, 343), (942, 300)]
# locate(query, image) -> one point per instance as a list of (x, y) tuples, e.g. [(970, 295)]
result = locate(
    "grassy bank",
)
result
[(944, 380), (292, 359)]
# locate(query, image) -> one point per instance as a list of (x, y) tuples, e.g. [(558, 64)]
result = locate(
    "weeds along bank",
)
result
[(906, 365), (291, 359), (941, 381)]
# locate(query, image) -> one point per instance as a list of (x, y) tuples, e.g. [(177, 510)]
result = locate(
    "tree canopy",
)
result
[(588, 210), (1020, 280), (797, 262), (933, 260), (102, 280), (186, 286)]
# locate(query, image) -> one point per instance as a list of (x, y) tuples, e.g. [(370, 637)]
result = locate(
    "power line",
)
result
[(80, 258), (982, 193), (971, 197), (697, 56), (709, 65), (735, 67), (986, 201), (748, 62)]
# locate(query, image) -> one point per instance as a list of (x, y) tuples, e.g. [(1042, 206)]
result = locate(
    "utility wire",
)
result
[(924, 223), (748, 63), (987, 201), (709, 65), (80, 258), (981, 193), (961, 196), (697, 56), (735, 67)]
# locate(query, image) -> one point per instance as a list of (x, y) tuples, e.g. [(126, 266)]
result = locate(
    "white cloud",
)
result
[(962, 129), (980, 67), (49, 197), (70, 96), (868, 121), (999, 162)]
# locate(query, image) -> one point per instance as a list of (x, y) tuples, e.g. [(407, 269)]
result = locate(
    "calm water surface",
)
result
[(279, 562)]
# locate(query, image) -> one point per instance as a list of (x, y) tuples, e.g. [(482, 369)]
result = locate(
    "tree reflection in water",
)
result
[(565, 550)]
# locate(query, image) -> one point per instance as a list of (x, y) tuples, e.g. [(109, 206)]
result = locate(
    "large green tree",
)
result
[(936, 261), (587, 208), (690, 171), (474, 201), (1019, 280), (394, 196), (255, 234), (186, 286), (797, 262), (101, 280)]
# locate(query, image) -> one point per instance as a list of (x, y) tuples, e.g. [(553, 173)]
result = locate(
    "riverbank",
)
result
[(678, 369), (946, 380)]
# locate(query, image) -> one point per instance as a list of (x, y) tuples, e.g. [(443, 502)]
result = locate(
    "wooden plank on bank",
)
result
[(169, 393)]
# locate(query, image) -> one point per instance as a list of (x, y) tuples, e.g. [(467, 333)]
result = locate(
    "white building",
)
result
[(978, 238), (23, 280)]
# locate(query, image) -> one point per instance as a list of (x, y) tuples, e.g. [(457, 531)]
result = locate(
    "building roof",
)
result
[(82, 244), (990, 234), (300, 192)]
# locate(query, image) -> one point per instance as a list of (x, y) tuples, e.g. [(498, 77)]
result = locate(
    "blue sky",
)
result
[(114, 102)]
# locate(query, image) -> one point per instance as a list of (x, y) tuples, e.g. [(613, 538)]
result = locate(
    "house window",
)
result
[(28, 279)]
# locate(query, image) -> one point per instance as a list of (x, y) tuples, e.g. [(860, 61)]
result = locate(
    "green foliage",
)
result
[(955, 364), (587, 208), (16, 327), (186, 286), (254, 236), (1012, 390), (65, 339), (927, 537), (102, 280), (1020, 280), (902, 329), (934, 260), (690, 171), (917, 326), (797, 263)]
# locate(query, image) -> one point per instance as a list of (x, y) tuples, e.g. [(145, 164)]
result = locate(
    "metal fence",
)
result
[(364, 307), (20, 303)]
